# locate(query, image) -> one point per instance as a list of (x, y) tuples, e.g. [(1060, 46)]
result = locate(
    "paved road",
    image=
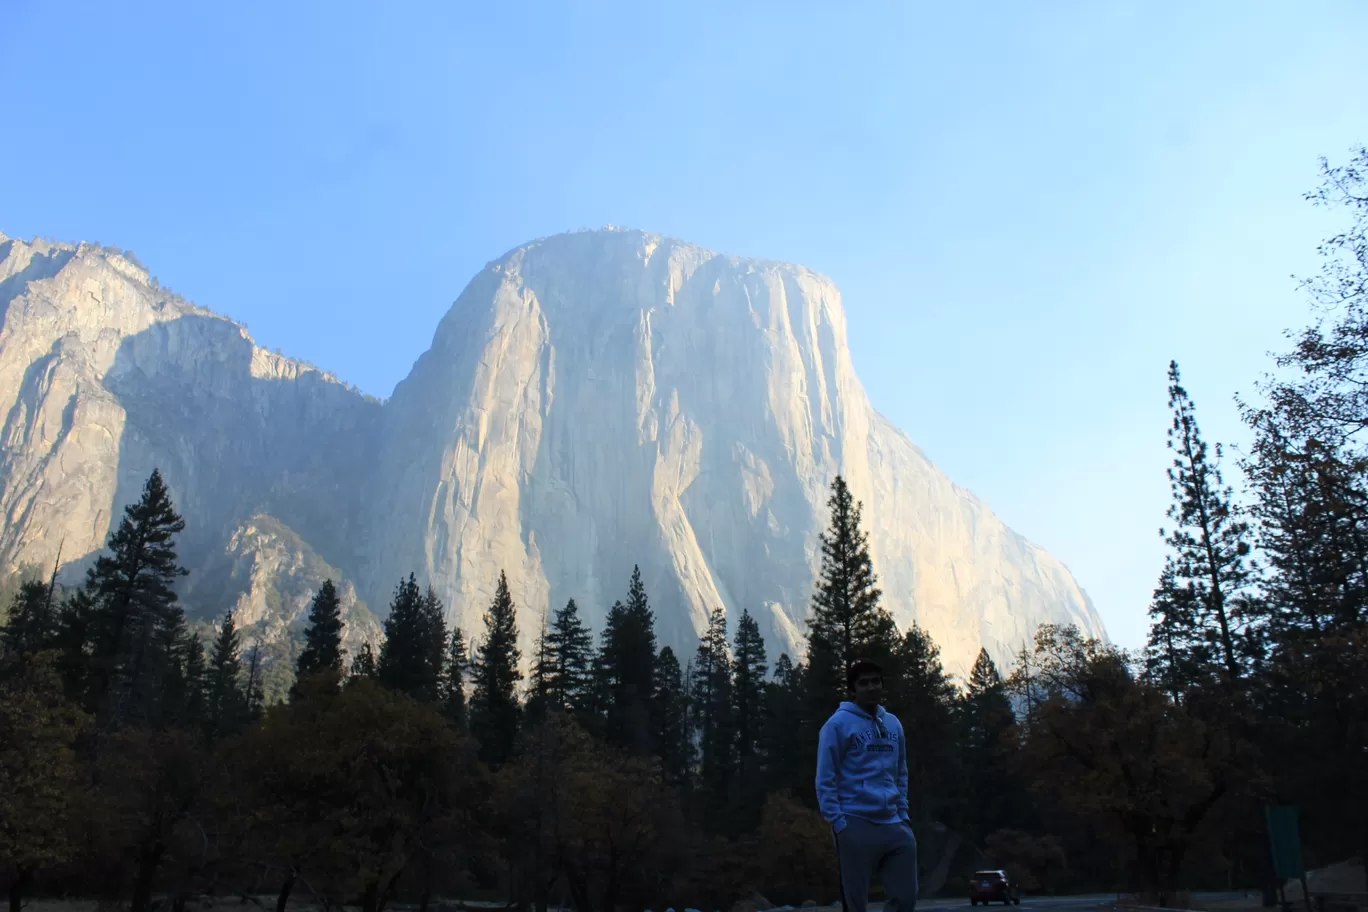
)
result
[(1040, 903)]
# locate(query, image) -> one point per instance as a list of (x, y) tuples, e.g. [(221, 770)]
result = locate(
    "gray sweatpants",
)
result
[(890, 849)]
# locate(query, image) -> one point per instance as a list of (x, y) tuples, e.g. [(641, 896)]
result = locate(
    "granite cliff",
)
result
[(590, 402)]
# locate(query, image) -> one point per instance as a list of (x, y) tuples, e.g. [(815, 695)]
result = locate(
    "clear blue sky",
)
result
[(1029, 207)]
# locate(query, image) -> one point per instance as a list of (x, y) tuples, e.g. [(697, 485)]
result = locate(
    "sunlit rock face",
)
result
[(591, 402)]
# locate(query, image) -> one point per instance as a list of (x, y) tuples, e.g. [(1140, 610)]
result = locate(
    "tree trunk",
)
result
[(285, 888), (370, 899), (579, 890), (388, 891), (936, 879), (148, 862), (17, 887)]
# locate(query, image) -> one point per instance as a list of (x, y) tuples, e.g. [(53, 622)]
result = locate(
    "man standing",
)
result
[(862, 793)]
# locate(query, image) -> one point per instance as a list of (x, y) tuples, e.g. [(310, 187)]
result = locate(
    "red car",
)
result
[(993, 886)]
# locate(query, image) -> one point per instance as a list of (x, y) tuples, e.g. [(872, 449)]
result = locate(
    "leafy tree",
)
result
[(610, 822), (1200, 608), (40, 775), (323, 637), (132, 588), (408, 783), (494, 706), (1112, 749), (151, 784)]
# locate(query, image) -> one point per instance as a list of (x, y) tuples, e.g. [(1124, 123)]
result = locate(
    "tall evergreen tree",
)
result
[(435, 651), (454, 681), (76, 633), (711, 702), (171, 655), (571, 648), (408, 662), (32, 622), (784, 736), (494, 706), (986, 723), (847, 621), (132, 589), (196, 677), (749, 668), (670, 701), (225, 704), (323, 637), (253, 695), (923, 698), (539, 699), (624, 670), (363, 663), (1201, 604)]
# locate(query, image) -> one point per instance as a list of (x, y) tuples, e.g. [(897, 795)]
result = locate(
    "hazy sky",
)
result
[(1029, 207)]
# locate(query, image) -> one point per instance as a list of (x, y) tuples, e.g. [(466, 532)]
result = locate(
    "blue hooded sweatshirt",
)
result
[(862, 767)]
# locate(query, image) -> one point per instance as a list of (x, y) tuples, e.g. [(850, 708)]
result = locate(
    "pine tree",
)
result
[(494, 705), (749, 668), (435, 651), (711, 700), (1174, 658), (364, 664), (784, 736), (76, 633), (196, 674), (571, 648), (539, 699), (32, 623), (323, 637), (453, 682), (225, 705), (407, 663), (253, 696), (986, 721), (1312, 512), (1208, 559), (847, 622), (170, 656), (132, 588), (624, 673), (670, 710), (924, 700)]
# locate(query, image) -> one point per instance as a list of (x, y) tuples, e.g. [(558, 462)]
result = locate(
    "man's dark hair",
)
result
[(858, 668)]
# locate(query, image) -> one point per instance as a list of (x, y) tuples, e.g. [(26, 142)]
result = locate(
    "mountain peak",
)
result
[(593, 401)]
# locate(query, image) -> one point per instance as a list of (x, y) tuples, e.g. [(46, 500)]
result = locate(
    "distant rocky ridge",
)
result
[(590, 402)]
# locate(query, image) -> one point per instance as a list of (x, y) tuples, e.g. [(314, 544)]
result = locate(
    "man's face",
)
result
[(868, 690)]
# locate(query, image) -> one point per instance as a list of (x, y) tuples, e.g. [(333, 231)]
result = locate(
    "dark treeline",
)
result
[(604, 772)]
